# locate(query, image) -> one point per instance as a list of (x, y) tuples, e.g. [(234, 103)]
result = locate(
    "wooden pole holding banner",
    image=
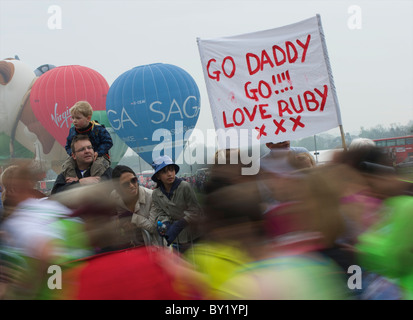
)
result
[(139, 159), (190, 156), (343, 139)]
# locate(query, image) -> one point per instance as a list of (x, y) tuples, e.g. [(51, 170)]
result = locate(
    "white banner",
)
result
[(277, 84)]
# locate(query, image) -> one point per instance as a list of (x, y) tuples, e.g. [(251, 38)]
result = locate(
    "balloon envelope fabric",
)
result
[(151, 107), (119, 148), (57, 90)]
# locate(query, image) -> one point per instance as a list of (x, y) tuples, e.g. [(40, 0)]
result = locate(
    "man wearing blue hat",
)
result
[(175, 206)]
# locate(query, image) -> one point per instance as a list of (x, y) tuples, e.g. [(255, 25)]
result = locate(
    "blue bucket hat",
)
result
[(161, 163)]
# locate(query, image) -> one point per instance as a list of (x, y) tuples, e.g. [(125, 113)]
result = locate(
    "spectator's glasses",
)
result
[(133, 181), (84, 148)]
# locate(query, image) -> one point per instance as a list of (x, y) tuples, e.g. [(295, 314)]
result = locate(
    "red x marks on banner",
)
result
[(279, 126), (297, 122), (261, 131)]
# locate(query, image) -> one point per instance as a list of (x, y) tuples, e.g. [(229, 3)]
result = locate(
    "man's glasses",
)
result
[(84, 148), (133, 181)]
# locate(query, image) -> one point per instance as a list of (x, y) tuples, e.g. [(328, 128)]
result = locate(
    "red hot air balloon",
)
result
[(57, 90)]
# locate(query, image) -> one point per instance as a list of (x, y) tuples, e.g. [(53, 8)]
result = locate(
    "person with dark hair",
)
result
[(175, 206), (133, 203), (84, 155)]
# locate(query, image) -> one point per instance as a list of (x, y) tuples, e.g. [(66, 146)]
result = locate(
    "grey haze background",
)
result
[(372, 66)]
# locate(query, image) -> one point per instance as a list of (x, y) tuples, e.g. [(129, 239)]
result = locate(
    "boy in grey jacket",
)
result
[(175, 207)]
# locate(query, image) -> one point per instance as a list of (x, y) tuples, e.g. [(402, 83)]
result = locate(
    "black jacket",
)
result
[(61, 185)]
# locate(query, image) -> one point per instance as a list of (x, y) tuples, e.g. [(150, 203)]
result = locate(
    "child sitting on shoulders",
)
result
[(100, 138)]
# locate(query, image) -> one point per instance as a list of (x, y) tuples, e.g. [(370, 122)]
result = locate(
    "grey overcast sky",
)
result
[(372, 65)]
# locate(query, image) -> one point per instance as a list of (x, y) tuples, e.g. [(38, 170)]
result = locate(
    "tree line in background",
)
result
[(326, 141), (322, 141)]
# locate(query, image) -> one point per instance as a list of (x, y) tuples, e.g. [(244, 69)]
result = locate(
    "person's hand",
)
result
[(71, 179), (95, 156), (89, 180), (174, 230), (163, 228)]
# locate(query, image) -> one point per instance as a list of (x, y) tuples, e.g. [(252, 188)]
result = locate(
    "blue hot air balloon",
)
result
[(152, 108)]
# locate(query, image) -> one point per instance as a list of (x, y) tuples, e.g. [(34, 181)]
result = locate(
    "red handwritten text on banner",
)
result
[(277, 83)]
